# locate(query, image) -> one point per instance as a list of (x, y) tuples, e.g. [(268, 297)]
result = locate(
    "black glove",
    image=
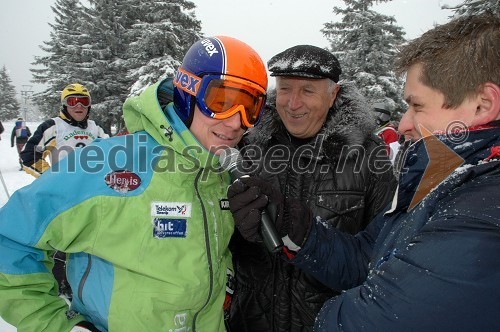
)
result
[(248, 196), (298, 219)]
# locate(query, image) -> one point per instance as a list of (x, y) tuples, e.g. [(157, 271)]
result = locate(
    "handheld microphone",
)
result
[(231, 161)]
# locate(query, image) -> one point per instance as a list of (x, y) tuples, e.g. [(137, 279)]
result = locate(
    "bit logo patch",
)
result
[(164, 228)]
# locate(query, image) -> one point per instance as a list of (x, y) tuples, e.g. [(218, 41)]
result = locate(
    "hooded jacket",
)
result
[(431, 262), (343, 175), (144, 225)]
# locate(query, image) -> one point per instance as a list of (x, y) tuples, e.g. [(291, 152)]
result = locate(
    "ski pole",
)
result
[(4, 185)]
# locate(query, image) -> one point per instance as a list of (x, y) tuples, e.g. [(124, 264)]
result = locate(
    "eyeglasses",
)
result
[(72, 101), (222, 96)]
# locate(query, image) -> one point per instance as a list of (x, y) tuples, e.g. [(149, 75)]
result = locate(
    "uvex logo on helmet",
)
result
[(209, 47), (187, 82)]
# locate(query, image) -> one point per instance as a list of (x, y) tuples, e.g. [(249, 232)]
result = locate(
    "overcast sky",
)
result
[(269, 26)]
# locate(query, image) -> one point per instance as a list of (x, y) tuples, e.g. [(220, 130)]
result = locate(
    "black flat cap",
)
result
[(305, 61)]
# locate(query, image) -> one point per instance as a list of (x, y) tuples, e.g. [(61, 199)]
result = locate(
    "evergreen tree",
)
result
[(365, 43), (106, 23), (64, 60), (9, 106), (162, 34), (113, 47), (476, 7)]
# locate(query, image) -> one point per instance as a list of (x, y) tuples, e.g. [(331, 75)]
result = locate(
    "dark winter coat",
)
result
[(433, 267), (341, 186), (19, 140)]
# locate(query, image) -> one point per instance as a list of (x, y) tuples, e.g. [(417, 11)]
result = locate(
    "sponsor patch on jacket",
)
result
[(122, 181), (164, 228), (171, 209), (224, 204)]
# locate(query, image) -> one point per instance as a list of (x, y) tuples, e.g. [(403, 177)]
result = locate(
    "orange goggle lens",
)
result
[(72, 101), (225, 97)]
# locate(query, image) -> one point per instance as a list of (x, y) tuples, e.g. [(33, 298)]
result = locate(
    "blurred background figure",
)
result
[(20, 134), (386, 129)]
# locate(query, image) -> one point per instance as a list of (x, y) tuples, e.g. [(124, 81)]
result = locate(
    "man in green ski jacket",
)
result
[(143, 217)]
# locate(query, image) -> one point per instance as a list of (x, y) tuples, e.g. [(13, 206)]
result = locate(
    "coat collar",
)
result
[(437, 159)]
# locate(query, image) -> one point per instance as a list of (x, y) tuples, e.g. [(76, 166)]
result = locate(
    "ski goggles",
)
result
[(222, 96), (72, 101)]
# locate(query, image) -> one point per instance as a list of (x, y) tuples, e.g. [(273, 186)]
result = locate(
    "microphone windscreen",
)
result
[(230, 159)]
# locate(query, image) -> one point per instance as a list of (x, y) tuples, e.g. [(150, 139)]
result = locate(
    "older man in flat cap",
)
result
[(314, 144)]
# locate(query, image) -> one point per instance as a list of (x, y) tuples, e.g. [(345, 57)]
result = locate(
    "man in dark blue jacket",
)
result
[(431, 260)]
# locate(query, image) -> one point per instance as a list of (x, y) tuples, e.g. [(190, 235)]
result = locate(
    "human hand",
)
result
[(248, 197), (298, 219)]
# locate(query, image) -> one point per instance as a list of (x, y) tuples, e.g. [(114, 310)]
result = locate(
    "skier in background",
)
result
[(20, 134), (59, 136)]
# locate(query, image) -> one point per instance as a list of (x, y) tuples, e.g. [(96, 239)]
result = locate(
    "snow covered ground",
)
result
[(13, 178)]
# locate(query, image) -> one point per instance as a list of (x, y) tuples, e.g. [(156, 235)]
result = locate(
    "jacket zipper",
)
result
[(207, 244), (84, 278)]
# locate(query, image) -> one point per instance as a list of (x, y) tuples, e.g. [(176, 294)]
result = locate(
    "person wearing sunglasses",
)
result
[(56, 137), (315, 143), (147, 226)]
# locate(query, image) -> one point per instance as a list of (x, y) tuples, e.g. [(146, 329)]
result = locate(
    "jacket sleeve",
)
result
[(444, 279), (381, 183), (31, 229), (33, 152), (437, 284), (338, 259)]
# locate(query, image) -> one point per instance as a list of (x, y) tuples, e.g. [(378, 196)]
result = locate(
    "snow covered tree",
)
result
[(475, 7), (160, 43), (365, 43), (113, 47), (63, 57), (9, 106)]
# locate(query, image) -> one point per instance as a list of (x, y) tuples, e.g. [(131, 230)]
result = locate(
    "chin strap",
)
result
[(67, 118)]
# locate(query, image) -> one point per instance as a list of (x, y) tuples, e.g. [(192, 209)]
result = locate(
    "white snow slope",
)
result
[(13, 178)]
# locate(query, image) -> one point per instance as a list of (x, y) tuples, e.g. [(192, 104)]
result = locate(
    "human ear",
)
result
[(488, 104), (335, 90)]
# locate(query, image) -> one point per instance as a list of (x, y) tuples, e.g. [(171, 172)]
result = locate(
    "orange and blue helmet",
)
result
[(222, 76)]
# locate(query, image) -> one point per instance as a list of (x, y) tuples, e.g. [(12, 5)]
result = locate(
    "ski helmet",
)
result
[(382, 113), (74, 89), (222, 56)]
